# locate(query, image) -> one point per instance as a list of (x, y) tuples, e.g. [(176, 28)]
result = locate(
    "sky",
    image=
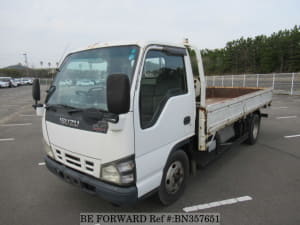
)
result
[(46, 30)]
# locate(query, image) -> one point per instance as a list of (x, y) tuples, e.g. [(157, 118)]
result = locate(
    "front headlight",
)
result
[(110, 173), (48, 149), (121, 172)]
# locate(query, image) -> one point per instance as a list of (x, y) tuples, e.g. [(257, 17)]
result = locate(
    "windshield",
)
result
[(81, 82)]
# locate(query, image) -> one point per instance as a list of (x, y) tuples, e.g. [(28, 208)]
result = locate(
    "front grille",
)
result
[(89, 165), (79, 162), (74, 163), (72, 157)]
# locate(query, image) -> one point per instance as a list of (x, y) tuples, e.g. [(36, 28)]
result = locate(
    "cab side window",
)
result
[(163, 77)]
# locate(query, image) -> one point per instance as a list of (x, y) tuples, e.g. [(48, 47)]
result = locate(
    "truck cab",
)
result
[(115, 113)]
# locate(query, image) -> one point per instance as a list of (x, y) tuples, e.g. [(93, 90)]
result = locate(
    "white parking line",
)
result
[(6, 139), (27, 115), (281, 107), (42, 164), (15, 124), (216, 204), (285, 117), (292, 136)]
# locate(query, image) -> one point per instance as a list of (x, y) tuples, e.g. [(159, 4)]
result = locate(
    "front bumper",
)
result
[(112, 193)]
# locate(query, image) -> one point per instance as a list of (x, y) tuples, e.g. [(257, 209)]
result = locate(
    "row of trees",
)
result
[(20, 70), (15, 73), (279, 52)]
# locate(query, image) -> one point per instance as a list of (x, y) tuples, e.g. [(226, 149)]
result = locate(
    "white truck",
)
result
[(143, 121)]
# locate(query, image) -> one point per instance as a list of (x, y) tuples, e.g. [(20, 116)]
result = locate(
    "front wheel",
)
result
[(253, 129), (174, 178)]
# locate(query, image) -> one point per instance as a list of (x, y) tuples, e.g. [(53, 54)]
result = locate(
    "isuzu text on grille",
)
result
[(69, 122)]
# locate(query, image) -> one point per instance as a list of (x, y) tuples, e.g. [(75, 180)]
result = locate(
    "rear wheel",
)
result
[(254, 129), (174, 178)]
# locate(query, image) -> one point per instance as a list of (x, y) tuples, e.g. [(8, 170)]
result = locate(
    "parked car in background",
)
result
[(30, 80), (3, 84), (18, 81), (9, 80), (13, 83), (85, 82), (65, 83), (26, 81)]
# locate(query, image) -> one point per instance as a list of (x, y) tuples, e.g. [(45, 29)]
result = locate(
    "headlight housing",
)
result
[(121, 172), (48, 149)]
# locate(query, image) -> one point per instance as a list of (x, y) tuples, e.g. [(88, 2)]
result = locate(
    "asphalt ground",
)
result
[(268, 172)]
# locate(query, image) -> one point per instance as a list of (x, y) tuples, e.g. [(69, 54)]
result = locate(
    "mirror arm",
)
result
[(115, 119), (36, 105)]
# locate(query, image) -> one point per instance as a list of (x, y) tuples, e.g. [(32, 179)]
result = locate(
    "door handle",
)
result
[(186, 120)]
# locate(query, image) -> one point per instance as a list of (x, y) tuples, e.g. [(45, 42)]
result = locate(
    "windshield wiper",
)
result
[(89, 114), (75, 111), (93, 114), (54, 107), (92, 110)]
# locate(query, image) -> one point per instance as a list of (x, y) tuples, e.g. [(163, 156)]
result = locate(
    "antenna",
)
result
[(25, 58)]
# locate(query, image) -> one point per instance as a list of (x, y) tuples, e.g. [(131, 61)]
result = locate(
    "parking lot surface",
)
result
[(268, 172)]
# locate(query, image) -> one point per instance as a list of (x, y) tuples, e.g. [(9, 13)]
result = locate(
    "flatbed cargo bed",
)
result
[(213, 100), (221, 94), (225, 105)]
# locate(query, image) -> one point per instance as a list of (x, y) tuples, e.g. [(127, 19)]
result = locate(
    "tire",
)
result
[(254, 129), (218, 143), (174, 178)]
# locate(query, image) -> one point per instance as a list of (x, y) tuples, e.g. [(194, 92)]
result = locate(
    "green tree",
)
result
[(280, 52)]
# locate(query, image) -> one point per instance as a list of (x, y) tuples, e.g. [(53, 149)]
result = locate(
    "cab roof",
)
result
[(142, 44)]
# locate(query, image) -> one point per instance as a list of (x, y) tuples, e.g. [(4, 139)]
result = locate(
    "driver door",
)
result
[(165, 114)]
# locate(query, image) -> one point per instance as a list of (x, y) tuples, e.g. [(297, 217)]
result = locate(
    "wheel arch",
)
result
[(257, 112), (185, 146)]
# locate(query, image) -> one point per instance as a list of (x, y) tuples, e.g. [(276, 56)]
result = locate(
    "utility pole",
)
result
[(41, 70), (49, 64), (25, 58), (26, 62)]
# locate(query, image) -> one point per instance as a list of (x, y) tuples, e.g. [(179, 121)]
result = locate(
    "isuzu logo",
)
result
[(69, 122)]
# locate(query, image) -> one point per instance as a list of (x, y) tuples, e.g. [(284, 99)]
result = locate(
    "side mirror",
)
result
[(36, 92), (118, 93)]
